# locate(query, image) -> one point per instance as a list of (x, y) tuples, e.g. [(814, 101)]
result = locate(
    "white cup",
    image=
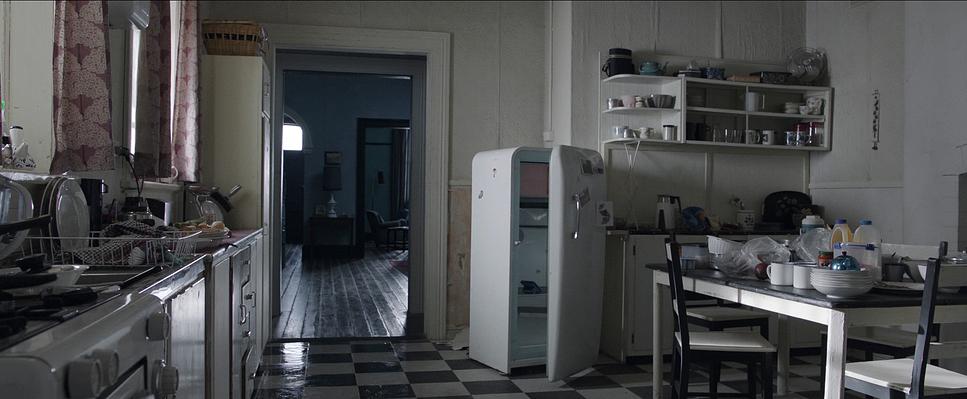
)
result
[(16, 136), (800, 278), (781, 273), (768, 137)]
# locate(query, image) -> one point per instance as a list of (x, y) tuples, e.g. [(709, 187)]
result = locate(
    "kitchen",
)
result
[(900, 49)]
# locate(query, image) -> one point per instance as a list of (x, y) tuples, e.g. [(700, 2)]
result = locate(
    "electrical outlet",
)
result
[(548, 136)]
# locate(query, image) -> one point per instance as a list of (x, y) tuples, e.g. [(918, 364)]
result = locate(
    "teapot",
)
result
[(652, 68)]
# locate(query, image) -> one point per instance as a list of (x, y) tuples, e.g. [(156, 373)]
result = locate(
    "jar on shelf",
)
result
[(816, 133)]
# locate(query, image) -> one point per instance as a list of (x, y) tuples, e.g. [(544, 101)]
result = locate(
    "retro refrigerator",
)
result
[(537, 258)]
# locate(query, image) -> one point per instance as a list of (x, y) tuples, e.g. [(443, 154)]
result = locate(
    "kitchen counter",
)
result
[(172, 279), (714, 233), (238, 238)]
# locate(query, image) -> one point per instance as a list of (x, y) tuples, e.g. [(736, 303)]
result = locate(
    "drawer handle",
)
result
[(244, 310)]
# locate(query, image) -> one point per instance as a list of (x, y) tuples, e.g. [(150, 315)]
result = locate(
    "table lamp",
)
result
[(332, 181)]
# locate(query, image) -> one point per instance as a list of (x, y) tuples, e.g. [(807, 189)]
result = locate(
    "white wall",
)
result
[(909, 52), (499, 68), (28, 74), (745, 31)]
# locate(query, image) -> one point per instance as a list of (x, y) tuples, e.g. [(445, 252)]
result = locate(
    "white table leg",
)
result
[(658, 307), (835, 354), (782, 361)]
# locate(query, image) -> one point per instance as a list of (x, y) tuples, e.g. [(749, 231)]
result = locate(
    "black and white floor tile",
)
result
[(422, 369)]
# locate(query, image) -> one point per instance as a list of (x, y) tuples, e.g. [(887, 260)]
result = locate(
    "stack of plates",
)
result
[(695, 100), (793, 107), (841, 283)]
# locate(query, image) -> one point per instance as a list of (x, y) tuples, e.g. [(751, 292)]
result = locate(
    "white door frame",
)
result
[(435, 46)]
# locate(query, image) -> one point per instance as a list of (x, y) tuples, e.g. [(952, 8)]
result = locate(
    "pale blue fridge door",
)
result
[(576, 237)]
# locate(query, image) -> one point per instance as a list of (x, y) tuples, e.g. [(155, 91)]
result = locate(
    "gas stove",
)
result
[(111, 346), (26, 312)]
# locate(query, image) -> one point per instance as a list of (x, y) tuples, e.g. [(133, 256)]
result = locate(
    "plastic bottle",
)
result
[(841, 233), (867, 234), (811, 222)]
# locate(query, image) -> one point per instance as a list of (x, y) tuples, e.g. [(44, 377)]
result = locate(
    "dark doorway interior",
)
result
[(366, 294), (384, 158)]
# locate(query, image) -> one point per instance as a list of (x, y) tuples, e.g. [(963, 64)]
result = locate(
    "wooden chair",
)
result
[(746, 347), (719, 316), (913, 377)]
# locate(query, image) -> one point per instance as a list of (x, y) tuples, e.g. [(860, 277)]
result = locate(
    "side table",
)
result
[(336, 235)]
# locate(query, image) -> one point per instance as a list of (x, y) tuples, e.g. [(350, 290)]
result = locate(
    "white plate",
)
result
[(894, 286), (72, 216)]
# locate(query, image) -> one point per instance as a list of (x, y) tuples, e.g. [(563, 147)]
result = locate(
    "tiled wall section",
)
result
[(458, 259)]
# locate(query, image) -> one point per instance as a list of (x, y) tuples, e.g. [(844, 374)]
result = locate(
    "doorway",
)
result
[(372, 285), (429, 205)]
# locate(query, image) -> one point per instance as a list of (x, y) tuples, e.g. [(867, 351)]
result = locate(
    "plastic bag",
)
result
[(807, 246), (742, 263)]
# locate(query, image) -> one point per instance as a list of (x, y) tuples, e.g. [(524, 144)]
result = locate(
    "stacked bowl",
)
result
[(841, 283)]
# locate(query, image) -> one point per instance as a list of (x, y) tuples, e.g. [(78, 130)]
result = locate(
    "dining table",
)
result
[(885, 306)]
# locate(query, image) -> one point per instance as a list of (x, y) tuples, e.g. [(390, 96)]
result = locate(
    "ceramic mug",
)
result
[(753, 137), (781, 273), (769, 137), (800, 276), (628, 100)]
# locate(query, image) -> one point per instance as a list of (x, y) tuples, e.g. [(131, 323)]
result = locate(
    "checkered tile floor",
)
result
[(421, 369)]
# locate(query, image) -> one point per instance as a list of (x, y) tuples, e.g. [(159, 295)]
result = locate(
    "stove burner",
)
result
[(11, 322)]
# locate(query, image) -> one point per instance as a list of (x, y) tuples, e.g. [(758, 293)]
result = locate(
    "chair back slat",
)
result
[(677, 290), (922, 355)]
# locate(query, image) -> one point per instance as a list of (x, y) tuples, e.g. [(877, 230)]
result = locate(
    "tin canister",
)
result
[(825, 257)]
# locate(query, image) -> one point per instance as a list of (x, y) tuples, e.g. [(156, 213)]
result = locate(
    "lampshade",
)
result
[(332, 178)]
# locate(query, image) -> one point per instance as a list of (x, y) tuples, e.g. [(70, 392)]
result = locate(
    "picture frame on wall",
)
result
[(333, 157), (320, 209)]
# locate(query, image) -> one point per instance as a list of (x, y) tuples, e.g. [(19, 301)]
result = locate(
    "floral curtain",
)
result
[(185, 129), (82, 88), (152, 150)]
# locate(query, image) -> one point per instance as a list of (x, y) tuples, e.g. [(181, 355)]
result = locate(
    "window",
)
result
[(291, 137)]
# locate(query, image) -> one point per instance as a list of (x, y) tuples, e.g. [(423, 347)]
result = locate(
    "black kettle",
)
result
[(618, 63)]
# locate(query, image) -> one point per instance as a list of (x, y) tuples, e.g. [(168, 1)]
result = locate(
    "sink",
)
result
[(122, 276)]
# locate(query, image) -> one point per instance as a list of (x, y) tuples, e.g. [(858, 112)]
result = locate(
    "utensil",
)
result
[(754, 102), (16, 206), (628, 100), (801, 276), (780, 273), (652, 68), (665, 215), (713, 73), (618, 63), (669, 132), (661, 101)]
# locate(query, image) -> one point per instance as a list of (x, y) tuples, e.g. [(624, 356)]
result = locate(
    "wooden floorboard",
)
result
[(342, 298)]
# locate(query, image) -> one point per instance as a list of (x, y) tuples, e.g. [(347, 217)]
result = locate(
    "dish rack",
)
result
[(176, 247)]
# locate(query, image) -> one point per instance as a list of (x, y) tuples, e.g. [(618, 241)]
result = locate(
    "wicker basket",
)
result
[(227, 37)]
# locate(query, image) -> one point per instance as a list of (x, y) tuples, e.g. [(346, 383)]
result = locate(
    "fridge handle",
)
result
[(577, 215)]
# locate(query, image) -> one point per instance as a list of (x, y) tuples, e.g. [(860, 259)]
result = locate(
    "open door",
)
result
[(576, 239)]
